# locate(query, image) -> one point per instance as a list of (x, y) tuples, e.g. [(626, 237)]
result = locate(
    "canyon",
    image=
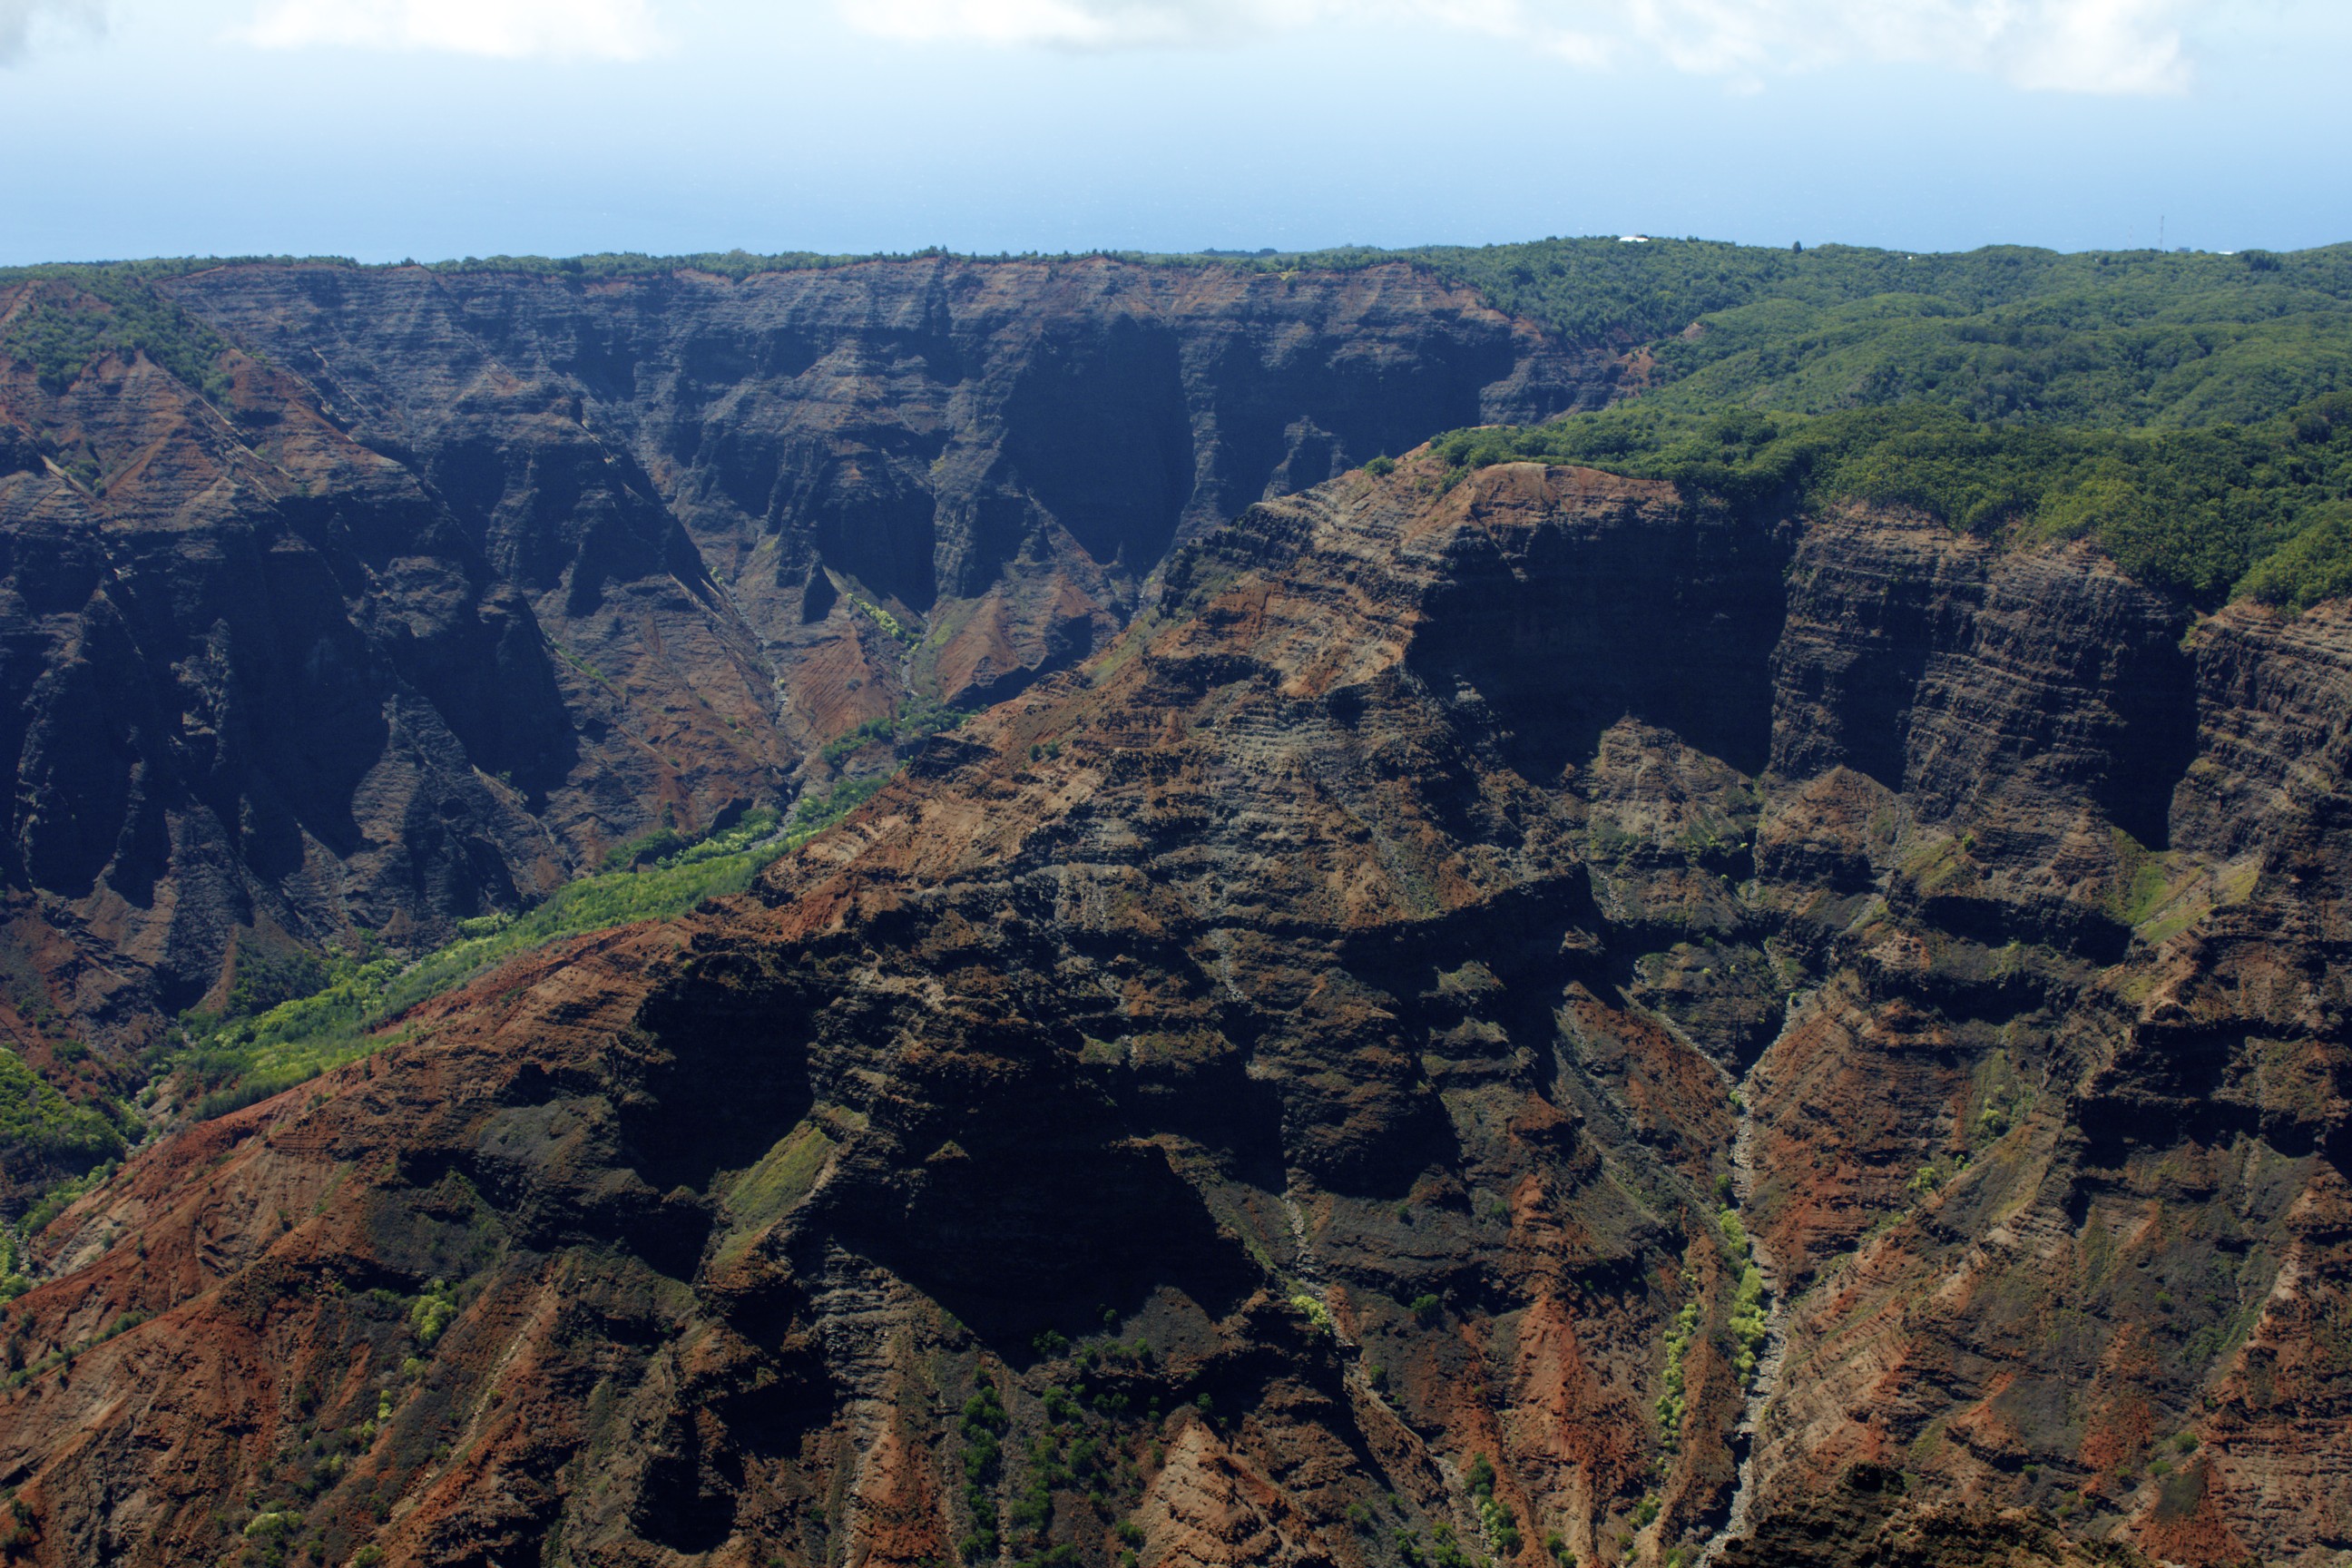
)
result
[(1513, 1014), (345, 604)]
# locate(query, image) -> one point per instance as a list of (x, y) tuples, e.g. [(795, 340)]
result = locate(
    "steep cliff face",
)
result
[(405, 594), (1392, 1062), (265, 683), (995, 454)]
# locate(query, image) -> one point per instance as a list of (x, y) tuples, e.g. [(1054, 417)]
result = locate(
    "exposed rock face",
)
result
[(452, 581), (997, 454), (1268, 1097), (260, 679)]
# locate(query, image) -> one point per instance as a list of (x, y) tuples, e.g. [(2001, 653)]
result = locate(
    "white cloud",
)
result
[(2080, 45), (506, 30), (20, 20), (1070, 23), (1142, 24)]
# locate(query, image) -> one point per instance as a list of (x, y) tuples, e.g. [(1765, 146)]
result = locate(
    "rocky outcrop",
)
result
[(400, 596), (1866, 1519), (1270, 1095)]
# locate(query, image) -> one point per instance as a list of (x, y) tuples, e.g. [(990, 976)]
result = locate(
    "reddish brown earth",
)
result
[(410, 593), (1287, 1066)]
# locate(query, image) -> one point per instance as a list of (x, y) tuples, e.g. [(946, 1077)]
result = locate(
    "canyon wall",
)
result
[(1532, 1018), (341, 604)]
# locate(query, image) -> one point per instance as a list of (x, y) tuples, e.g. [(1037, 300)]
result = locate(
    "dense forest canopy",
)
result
[(2187, 410), (2208, 512)]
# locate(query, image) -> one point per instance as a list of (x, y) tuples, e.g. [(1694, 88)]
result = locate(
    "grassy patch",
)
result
[(225, 1064), (2143, 877), (784, 1176)]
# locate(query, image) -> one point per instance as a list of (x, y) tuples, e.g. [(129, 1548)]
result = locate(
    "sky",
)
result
[(390, 129)]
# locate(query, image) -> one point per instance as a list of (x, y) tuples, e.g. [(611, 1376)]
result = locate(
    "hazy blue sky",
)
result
[(383, 129)]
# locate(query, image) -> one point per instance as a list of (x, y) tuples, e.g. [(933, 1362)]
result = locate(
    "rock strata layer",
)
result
[(1264, 1097)]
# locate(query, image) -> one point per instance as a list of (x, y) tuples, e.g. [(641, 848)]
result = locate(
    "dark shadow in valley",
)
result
[(1670, 618)]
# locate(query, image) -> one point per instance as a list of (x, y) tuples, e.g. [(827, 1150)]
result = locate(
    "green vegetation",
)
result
[(1444, 1551), (889, 623), (263, 978), (80, 313), (814, 814), (1929, 1179), (431, 1312), (274, 1524), (910, 723), (2186, 410), (645, 849), (849, 742), (1747, 1329), (1071, 1454), (784, 1176), (2189, 411), (1670, 1396), (2004, 334), (232, 1061), (1748, 1332), (226, 1062), (13, 1281), (57, 1199), (2316, 564), (1501, 1525), (984, 1426), (2263, 510), (44, 1126), (341, 1004)]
